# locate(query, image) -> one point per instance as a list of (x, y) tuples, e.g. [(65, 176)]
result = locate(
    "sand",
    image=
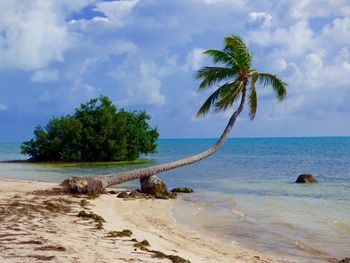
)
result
[(43, 226)]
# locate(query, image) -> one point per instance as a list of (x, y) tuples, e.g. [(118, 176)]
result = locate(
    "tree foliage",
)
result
[(97, 131)]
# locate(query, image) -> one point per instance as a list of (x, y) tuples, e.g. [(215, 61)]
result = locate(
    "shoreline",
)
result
[(80, 163), (63, 237), (189, 220)]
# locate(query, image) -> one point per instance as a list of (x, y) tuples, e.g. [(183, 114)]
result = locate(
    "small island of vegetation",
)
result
[(96, 132)]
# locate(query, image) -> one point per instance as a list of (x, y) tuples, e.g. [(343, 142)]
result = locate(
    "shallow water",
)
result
[(246, 191)]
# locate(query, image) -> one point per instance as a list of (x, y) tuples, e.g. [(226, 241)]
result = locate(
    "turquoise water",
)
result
[(246, 191)]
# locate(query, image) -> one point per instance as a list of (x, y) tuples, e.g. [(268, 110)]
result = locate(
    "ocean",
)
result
[(245, 192)]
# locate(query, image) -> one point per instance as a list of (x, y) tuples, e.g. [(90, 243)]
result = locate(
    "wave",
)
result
[(340, 225)]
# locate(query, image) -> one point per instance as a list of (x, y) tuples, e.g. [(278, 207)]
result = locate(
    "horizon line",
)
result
[(215, 138), (263, 137)]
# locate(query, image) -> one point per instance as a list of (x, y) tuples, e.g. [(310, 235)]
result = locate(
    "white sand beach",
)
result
[(43, 226)]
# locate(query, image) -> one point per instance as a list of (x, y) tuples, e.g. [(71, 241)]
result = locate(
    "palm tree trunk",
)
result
[(96, 184)]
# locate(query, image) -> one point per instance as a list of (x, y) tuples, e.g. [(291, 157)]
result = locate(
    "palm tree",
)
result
[(235, 79)]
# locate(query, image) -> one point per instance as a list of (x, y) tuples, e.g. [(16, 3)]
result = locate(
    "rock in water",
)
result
[(154, 186), (306, 178), (182, 190)]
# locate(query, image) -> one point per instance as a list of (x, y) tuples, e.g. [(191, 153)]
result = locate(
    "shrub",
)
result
[(96, 132)]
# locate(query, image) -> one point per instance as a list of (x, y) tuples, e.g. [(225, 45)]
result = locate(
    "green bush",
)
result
[(96, 132)]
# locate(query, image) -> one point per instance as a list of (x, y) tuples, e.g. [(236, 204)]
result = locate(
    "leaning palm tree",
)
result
[(236, 80)]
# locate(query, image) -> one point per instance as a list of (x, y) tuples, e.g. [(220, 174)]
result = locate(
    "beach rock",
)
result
[(134, 195), (123, 195), (306, 178), (154, 186), (345, 260), (182, 190)]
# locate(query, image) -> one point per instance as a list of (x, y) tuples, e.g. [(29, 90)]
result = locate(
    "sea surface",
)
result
[(245, 192)]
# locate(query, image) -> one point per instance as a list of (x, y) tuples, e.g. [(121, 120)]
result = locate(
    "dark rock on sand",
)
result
[(345, 260), (123, 195), (134, 194), (154, 186), (306, 178), (182, 190)]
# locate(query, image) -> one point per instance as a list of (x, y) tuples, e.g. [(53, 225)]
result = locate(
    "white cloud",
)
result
[(343, 55), (91, 55), (195, 59), (88, 90), (143, 86), (318, 8), (291, 70), (2, 107), (346, 65), (291, 104), (337, 32), (328, 76), (279, 64), (44, 75), (148, 89), (259, 20), (232, 3), (33, 34), (100, 19), (317, 73), (315, 65), (117, 12), (74, 94), (284, 48), (73, 6), (86, 24), (313, 62), (312, 85), (295, 40)]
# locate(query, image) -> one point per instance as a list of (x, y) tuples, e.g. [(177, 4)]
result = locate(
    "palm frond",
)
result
[(213, 98), (238, 50), (230, 96), (278, 85), (214, 75), (220, 56), (235, 69), (253, 97)]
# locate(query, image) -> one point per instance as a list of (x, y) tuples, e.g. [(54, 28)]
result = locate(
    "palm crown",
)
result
[(234, 77)]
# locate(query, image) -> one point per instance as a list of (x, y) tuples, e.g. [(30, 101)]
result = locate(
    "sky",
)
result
[(143, 54)]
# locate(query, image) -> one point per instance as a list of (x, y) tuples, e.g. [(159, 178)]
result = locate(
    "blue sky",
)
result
[(55, 55)]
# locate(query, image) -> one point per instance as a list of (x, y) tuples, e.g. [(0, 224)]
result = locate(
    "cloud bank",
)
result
[(143, 54)]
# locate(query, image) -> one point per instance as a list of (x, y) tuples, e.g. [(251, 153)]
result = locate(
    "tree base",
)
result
[(83, 185), (152, 185)]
